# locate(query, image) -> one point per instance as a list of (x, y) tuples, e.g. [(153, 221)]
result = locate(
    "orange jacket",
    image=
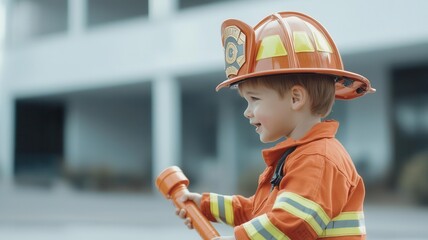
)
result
[(320, 196)]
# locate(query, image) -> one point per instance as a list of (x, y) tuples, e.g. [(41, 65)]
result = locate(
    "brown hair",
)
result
[(321, 88)]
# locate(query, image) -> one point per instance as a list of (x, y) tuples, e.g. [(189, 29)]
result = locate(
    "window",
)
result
[(34, 18), (106, 11), (409, 114), (39, 142)]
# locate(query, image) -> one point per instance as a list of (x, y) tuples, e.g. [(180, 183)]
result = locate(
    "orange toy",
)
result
[(173, 184)]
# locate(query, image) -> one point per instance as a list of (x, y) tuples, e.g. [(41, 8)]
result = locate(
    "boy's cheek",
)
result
[(263, 120)]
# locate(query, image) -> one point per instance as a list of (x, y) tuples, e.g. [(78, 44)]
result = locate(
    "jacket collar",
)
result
[(326, 129)]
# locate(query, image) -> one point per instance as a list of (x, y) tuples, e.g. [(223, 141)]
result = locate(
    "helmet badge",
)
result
[(234, 49)]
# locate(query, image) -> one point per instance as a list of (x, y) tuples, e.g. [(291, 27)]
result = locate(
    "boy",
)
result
[(289, 71)]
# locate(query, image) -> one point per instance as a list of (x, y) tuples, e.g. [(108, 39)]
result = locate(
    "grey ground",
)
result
[(65, 214)]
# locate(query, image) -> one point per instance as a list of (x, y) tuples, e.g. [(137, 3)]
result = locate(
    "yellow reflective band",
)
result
[(302, 43), (346, 224), (228, 208), (214, 206), (221, 208), (271, 46), (252, 232), (303, 208), (264, 220), (320, 40), (336, 232), (349, 216), (261, 228)]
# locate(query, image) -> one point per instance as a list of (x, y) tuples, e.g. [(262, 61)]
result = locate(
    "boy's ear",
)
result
[(299, 96)]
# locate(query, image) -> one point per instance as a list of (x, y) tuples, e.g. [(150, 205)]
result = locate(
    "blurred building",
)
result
[(110, 92)]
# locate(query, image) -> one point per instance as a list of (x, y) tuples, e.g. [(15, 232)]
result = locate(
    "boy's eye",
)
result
[(254, 98)]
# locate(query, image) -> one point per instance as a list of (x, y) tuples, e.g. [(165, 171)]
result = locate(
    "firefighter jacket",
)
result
[(320, 196)]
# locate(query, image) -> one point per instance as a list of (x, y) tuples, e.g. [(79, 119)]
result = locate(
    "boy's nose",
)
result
[(248, 113)]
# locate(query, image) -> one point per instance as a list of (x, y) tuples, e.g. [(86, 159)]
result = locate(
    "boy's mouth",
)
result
[(257, 125)]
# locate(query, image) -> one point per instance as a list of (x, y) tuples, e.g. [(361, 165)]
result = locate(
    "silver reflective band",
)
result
[(344, 224), (261, 230), (221, 209), (306, 210)]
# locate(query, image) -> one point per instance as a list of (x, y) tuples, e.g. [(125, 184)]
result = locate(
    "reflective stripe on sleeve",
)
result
[(221, 208), (303, 208), (345, 224), (261, 228)]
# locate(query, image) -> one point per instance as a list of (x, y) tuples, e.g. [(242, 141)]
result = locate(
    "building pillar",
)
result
[(159, 9), (166, 113), (77, 16), (6, 138), (6, 106)]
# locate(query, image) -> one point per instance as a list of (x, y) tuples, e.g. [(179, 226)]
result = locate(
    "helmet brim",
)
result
[(348, 86)]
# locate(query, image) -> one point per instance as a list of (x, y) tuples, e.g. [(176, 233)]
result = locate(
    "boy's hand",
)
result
[(196, 198)]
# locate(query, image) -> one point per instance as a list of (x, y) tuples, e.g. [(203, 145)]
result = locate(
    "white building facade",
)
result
[(126, 88)]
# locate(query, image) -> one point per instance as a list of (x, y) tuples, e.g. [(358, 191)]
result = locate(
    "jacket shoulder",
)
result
[(332, 152)]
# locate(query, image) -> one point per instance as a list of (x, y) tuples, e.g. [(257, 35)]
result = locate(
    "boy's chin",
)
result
[(267, 140)]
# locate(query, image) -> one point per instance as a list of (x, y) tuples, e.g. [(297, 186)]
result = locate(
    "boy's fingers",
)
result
[(182, 213), (188, 223), (184, 198), (188, 196), (192, 196)]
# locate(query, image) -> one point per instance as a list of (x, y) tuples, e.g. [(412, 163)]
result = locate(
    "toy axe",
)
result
[(172, 183)]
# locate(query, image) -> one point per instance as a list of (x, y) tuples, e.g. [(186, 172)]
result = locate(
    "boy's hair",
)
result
[(320, 88)]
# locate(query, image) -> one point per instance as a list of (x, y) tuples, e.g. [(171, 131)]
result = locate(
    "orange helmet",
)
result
[(286, 43)]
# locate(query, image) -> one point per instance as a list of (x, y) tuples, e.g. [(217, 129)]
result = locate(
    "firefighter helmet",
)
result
[(286, 43)]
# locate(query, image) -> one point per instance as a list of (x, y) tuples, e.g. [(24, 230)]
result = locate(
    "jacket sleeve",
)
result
[(232, 210), (304, 204)]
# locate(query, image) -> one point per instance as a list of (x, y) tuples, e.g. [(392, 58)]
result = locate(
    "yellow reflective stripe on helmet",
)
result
[(221, 208), (320, 40), (302, 43), (261, 228), (271, 46), (346, 224), (303, 208)]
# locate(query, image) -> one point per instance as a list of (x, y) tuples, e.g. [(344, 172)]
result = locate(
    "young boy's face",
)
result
[(268, 112)]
